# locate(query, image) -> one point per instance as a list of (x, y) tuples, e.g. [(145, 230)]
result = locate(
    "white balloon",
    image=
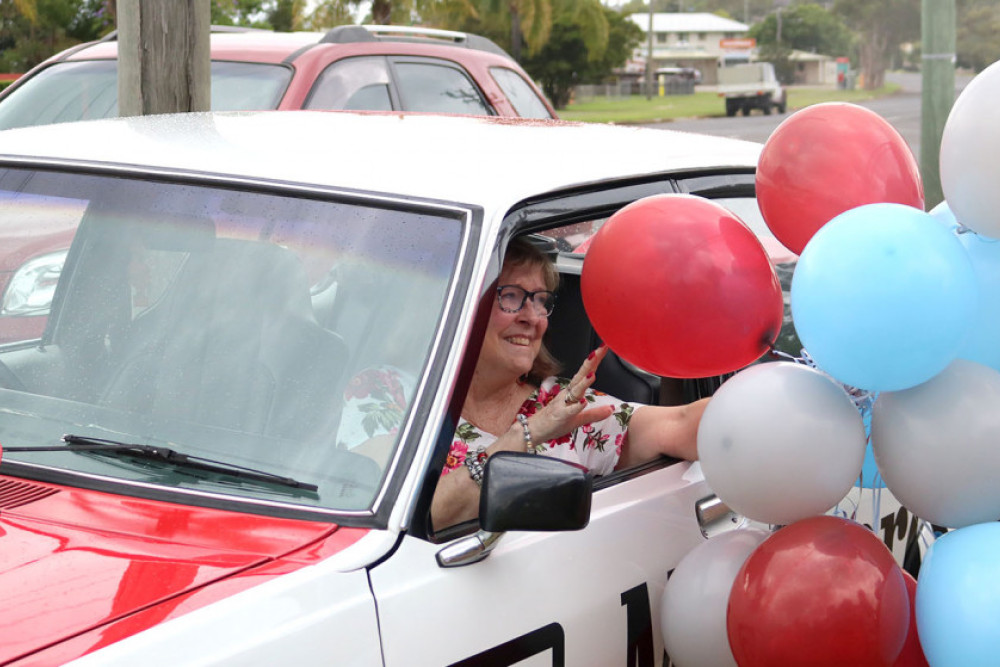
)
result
[(970, 145), (693, 606), (937, 445), (780, 442)]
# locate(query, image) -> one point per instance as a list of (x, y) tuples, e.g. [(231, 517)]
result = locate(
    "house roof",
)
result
[(688, 22)]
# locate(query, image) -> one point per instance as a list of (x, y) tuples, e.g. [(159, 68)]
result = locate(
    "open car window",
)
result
[(226, 324)]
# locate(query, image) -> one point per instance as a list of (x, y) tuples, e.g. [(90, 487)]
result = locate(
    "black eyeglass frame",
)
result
[(524, 299)]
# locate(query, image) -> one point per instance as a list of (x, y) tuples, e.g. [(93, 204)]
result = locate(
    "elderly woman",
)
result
[(515, 402)]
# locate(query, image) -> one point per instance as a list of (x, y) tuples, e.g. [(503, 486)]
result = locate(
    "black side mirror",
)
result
[(528, 492)]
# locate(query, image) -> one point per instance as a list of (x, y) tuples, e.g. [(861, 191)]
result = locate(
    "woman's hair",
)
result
[(521, 252)]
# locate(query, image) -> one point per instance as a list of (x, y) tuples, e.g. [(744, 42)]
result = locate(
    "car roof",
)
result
[(277, 47), (485, 161), (256, 45)]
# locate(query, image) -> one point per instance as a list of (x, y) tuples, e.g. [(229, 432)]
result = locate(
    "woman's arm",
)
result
[(655, 430)]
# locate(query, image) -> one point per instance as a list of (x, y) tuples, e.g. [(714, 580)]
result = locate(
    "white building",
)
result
[(698, 40)]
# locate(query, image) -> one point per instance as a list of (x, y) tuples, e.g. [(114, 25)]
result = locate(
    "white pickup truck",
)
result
[(751, 86)]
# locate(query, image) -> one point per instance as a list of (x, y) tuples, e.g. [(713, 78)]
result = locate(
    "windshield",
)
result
[(223, 324), (87, 90)]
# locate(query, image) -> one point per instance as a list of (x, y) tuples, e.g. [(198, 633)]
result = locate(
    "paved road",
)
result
[(902, 110)]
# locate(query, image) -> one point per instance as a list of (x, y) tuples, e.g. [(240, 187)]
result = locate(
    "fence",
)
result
[(667, 86)]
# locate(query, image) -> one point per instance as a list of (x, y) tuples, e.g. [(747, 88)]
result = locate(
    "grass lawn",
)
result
[(637, 109)]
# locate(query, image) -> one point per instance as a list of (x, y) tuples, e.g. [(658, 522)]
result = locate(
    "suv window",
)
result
[(522, 97), (353, 84), (88, 90), (441, 88)]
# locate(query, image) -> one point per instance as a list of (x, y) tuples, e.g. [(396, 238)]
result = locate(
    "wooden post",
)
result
[(937, 90), (163, 56)]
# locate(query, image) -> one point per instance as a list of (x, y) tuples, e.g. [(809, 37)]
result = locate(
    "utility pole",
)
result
[(649, 55), (163, 56), (937, 34)]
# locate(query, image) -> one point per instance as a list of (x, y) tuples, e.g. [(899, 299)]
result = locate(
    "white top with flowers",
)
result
[(596, 446)]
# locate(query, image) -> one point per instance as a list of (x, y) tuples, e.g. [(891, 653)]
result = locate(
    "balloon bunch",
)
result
[(892, 303), (898, 304)]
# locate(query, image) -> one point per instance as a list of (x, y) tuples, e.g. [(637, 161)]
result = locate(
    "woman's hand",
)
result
[(568, 410)]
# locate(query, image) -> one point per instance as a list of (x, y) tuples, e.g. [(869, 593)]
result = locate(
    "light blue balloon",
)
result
[(983, 342), (870, 477), (958, 598), (883, 297)]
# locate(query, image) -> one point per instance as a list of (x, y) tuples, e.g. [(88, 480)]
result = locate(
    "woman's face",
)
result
[(513, 339)]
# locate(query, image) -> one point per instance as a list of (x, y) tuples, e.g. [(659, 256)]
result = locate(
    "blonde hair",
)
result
[(521, 252)]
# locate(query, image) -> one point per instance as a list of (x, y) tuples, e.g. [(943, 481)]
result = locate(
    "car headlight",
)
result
[(32, 286)]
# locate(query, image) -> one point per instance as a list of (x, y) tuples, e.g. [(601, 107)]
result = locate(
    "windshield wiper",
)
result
[(103, 446)]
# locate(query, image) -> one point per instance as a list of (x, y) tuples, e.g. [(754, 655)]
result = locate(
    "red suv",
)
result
[(380, 68)]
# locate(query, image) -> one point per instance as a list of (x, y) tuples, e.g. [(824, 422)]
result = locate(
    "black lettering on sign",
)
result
[(548, 638), (895, 523), (640, 627)]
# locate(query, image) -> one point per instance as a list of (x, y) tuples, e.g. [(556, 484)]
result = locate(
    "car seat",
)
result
[(233, 343)]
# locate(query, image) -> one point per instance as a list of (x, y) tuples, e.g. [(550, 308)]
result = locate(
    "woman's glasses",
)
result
[(512, 299)]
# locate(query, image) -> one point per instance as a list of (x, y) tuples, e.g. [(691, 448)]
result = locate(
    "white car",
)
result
[(172, 490)]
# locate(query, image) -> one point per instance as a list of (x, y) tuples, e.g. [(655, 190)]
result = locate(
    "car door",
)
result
[(588, 597)]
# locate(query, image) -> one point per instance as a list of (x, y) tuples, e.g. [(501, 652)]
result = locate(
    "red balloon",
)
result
[(823, 591), (829, 158), (680, 287), (912, 654)]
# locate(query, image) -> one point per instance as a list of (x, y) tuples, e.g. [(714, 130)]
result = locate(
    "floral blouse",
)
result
[(596, 446), (375, 402)]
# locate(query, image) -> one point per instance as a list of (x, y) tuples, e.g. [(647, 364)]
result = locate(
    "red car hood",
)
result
[(73, 560)]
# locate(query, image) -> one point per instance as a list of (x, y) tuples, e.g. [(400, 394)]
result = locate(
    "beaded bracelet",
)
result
[(528, 444), (474, 462)]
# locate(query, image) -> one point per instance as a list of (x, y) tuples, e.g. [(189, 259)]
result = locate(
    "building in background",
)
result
[(698, 40)]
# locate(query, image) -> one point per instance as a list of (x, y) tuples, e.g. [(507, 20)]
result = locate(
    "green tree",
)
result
[(287, 15), (330, 13), (521, 27), (881, 27), (247, 13), (33, 30), (575, 55), (804, 27), (976, 41)]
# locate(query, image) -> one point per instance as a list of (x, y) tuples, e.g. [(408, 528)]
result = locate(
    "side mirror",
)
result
[(524, 491)]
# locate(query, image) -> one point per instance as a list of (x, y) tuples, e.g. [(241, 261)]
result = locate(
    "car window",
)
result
[(87, 90), (353, 84), (521, 95), (425, 86), (247, 86), (225, 324)]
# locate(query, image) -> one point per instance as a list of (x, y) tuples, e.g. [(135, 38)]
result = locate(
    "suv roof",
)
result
[(396, 68)]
